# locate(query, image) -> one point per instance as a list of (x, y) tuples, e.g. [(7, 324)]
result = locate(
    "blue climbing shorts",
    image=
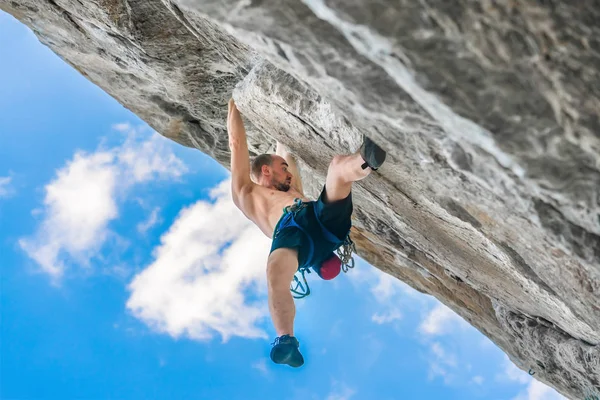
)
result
[(335, 216)]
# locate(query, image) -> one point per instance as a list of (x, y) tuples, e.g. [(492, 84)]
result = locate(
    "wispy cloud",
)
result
[(124, 127), (208, 274), (439, 327), (83, 198), (386, 317), (442, 355), (442, 320), (442, 363), (511, 372), (390, 293), (340, 391), (535, 390), (5, 186), (261, 365), (386, 287), (152, 220), (446, 337)]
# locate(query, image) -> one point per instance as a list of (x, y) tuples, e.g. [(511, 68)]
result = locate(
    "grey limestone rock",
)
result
[(489, 111)]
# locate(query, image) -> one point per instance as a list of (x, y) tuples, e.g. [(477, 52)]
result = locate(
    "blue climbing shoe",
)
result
[(373, 155), (285, 351)]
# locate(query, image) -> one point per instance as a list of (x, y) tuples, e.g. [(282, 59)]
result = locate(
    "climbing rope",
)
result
[(294, 208), (300, 288), (297, 288)]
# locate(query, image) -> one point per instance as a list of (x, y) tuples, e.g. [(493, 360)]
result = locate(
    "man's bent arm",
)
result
[(240, 159), (292, 167)]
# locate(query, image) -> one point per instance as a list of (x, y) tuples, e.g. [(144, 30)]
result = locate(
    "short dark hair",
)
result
[(258, 162)]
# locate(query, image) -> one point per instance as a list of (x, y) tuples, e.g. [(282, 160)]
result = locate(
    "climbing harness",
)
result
[(300, 289)]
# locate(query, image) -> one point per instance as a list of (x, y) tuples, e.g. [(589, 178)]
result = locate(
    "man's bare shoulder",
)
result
[(253, 196)]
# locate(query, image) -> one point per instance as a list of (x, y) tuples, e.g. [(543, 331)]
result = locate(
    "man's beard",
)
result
[(282, 187)]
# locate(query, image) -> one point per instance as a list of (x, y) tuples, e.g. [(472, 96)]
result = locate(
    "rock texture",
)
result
[(490, 112)]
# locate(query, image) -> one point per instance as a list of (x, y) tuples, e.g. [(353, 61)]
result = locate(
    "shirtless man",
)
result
[(272, 182)]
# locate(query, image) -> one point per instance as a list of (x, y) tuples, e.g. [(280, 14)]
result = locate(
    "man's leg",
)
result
[(281, 267), (343, 170)]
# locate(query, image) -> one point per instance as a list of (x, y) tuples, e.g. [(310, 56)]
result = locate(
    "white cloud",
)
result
[(5, 188), (82, 199), (340, 391), (147, 160), (513, 373), (386, 287), (535, 389), (152, 220), (391, 294), (78, 206), (386, 317), (442, 363), (450, 366), (261, 365), (208, 274), (123, 127), (442, 356), (446, 335), (441, 320)]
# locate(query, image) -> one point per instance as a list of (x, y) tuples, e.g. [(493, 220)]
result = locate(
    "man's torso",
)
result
[(264, 206)]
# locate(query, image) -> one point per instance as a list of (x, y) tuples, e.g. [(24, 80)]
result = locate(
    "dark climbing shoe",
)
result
[(285, 351), (373, 155)]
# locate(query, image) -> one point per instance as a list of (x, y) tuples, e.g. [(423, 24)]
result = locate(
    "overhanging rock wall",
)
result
[(490, 112)]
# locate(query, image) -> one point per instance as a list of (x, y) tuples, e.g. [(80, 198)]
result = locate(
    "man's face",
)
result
[(281, 179)]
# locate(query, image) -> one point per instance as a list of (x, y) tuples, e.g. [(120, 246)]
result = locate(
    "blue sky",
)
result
[(128, 273)]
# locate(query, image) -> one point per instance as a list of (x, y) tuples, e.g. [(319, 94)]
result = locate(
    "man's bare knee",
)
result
[(335, 171), (336, 163)]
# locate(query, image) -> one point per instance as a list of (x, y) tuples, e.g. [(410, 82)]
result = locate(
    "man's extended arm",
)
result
[(240, 159), (292, 167)]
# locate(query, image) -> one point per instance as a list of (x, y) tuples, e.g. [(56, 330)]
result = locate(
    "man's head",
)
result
[(271, 171)]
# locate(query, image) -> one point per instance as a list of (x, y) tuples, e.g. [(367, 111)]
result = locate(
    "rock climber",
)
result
[(305, 236)]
